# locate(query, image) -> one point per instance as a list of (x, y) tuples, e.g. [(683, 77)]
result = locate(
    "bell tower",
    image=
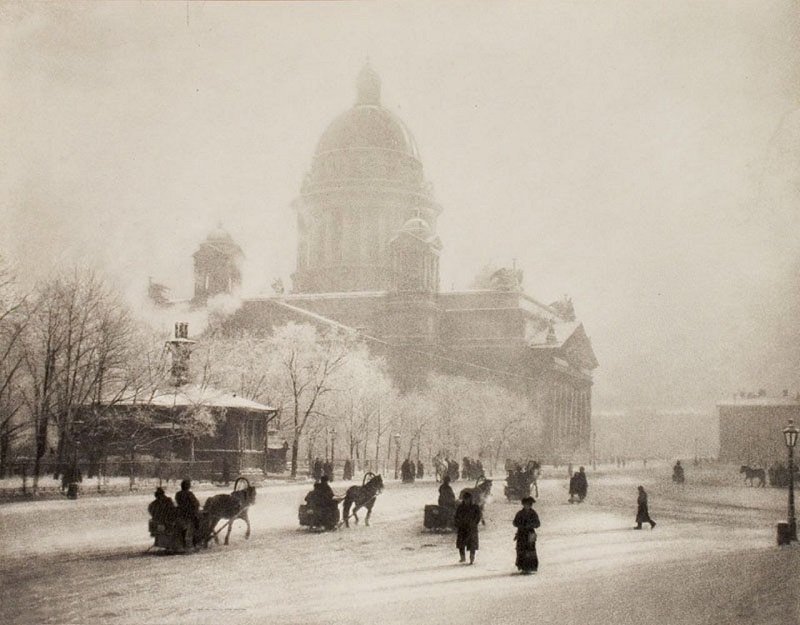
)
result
[(217, 267)]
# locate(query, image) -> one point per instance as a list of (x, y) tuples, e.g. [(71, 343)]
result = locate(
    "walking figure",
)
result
[(642, 514), (467, 518), (526, 521)]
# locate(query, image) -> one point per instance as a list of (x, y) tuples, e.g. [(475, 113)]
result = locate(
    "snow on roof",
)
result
[(192, 395)]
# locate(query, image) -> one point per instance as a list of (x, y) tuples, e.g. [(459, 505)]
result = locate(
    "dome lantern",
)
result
[(368, 86)]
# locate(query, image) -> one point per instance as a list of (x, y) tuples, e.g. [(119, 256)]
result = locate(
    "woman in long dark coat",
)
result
[(526, 521), (642, 513), (467, 518)]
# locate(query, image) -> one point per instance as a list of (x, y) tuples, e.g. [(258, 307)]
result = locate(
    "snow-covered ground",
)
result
[(711, 559)]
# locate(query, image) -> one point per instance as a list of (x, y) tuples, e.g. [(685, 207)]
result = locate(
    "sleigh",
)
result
[(176, 537), (516, 490), (320, 518), (438, 518)]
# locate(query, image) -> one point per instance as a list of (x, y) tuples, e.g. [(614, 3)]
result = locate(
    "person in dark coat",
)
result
[(420, 469), (162, 509), (581, 484), (642, 513), (677, 473), (188, 511), (317, 470), (348, 470), (407, 471), (526, 521), (466, 520), (573, 487), (447, 498)]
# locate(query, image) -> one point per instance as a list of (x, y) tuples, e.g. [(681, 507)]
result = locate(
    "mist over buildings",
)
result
[(642, 158)]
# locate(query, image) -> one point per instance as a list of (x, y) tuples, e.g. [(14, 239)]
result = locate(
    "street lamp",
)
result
[(333, 445), (790, 437), (396, 455), (491, 457)]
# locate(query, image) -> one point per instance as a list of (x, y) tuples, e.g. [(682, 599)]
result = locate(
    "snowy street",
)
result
[(711, 559)]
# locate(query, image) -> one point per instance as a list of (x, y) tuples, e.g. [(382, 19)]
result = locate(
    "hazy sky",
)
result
[(642, 157)]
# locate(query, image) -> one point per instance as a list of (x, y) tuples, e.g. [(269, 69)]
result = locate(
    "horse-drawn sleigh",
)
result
[(520, 481), (326, 515), (439, 518), (176, 535)]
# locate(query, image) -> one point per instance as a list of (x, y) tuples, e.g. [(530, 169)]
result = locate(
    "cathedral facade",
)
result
[(368, 258)]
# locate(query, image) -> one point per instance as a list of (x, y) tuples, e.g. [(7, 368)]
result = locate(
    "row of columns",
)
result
[(571, 411)]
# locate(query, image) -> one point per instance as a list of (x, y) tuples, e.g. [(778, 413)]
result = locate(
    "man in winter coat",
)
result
[(642, 513), (466, 520)]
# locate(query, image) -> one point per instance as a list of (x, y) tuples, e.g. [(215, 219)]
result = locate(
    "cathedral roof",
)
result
[(220, 241), (368, 124)]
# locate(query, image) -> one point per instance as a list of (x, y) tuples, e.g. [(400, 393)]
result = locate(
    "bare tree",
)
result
[(76, 345), (12, 325), (305, 364)]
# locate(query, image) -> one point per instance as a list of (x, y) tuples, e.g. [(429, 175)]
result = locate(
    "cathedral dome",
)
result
[(418, 227), (368, 124)]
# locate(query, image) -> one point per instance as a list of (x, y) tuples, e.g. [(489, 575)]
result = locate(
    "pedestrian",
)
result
[(581, 484), (467, 518), (573, 487), (420, 469), (642, 513), (526, 521)]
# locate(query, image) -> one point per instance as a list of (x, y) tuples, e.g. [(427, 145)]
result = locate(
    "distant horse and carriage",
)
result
[(751, 474), (521, 480)]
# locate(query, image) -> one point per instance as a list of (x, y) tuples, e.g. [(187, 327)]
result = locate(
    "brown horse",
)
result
[(362, 497), (230, 507), (751, 474)]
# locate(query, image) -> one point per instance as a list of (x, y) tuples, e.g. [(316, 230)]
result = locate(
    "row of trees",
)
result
[(71, 352), (329, 388)]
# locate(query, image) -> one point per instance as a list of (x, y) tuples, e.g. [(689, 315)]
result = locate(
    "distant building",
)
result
[(751, 427), (368, 259)]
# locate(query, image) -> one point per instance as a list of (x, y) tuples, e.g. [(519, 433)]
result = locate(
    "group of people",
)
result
[(471, 469), (467, 516), (183, 513), (320, 468), (410, 470)]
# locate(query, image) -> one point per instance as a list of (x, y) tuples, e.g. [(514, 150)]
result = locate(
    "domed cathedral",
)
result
[(368, 259), (217, 266), (365, 183)]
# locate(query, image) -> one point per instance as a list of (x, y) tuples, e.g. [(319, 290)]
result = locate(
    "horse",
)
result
[(750, 474), (480, 493), (362, 497), (230, 507), (532, 469)]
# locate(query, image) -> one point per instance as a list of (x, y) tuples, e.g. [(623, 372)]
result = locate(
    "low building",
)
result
[(751, 428)]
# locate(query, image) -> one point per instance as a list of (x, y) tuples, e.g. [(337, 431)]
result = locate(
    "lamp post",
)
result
[(491, 457), (790, 438), (396, 455), (594, 450), (333, 445)]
